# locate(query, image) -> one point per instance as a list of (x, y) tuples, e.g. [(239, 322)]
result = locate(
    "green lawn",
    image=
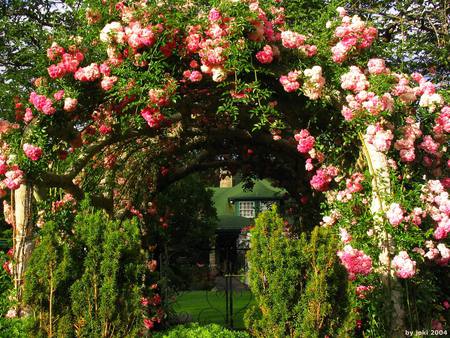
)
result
[(195, 303)]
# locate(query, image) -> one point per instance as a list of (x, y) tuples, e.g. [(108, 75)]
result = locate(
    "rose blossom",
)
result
[(32, 152)]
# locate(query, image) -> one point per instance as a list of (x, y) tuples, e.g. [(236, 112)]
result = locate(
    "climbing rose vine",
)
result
[(129, 102)]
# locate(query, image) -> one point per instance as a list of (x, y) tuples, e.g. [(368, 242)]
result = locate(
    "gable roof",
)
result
[(262, 190)]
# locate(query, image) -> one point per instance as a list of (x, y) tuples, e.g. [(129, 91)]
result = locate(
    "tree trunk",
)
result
[(22, 237), (379, 170)]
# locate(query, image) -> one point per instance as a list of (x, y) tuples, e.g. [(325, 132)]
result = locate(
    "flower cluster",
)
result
[(438, 207), (14, 178), (68, 199), (305, 141), (42, 103), (363, 290), (153, 116), (355, 261), (265, 55), (289, 82), (442, 122), (411, 131), (439, 254), (211, 47), (314, 82), (292, 40), (403, 265), (322, 178), (381, 139), (69, 61), (354, 80), (345, 236), (377, 66), (395, 214), (364, 102), (32, 152), (70, 104), (353, 185), (88, 74), (352, 33)]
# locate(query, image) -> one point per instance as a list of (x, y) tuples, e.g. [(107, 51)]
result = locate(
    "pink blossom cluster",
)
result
[(108, 82), (139, 37), (403, 265), (322, 178), (314, 82), (331, 219), (395, 214), (266, 55), (69, 64), (305, 141), (55, 51), (363, 290), (34, 153), (68, 199), (153, 116), (381, 139), (429, 145), (266, 29), (366, 102), (345, 236), (355, 261), (70, 104), (428, 96), (354, 80), (353, 33), (353, 185), (6, 126), (193, 76), (3, 164), (442, 122), (377, 66), (211, 46), (417, 215), (438, 207), (14, 178), (411, 131), (292, 40), (439, 254), (42, 103), (113, 32), (403, 90), (289, 82), (88, 74)]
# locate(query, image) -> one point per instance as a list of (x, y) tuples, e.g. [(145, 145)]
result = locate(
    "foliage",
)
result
[(89, 284), (299, 286), (143, 94), (197, 331)]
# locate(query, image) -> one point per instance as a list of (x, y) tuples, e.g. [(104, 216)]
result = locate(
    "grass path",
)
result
[(195, 303)]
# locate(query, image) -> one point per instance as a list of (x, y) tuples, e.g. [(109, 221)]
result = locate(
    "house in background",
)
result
[(237, 208)]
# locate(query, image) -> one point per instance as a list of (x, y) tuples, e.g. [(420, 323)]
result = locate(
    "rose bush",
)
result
[(145, 93)]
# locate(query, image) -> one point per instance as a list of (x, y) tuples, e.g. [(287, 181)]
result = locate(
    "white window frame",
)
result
[(263, 205), (247, 209)]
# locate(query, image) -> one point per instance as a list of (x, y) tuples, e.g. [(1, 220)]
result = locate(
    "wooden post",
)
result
[(381, 187), (23, 243)]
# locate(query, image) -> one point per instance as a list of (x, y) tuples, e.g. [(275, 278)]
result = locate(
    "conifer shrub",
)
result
[(195, 330), (85, 279), (299, 286)]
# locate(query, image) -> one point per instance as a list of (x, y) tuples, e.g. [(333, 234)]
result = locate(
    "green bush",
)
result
[(196, 331), (85, 279), (299, 286)]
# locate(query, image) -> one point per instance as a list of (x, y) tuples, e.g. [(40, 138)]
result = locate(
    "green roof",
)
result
[(231, 222), (262, 190)]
